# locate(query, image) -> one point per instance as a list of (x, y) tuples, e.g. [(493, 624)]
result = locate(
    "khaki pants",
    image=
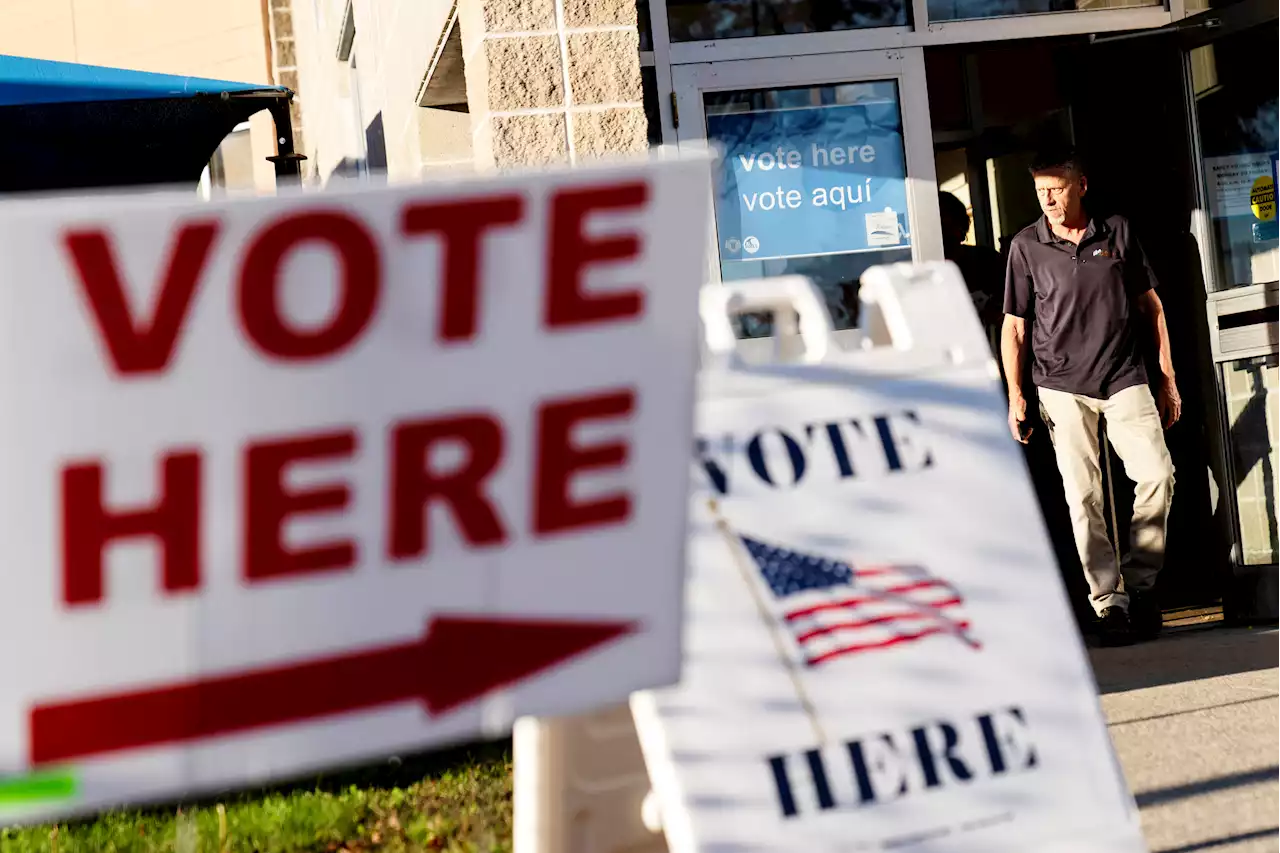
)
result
[(1134, 429)]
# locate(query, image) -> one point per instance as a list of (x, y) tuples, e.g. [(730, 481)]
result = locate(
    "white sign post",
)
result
[(295, 482), (878, 651)]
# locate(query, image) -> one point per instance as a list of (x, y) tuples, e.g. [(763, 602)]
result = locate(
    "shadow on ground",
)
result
[(1217, 843), (1186, 656), (1160, 796)]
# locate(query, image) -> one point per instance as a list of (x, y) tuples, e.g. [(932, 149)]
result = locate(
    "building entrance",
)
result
[(824, 170), (1233, 112), (1175, 119), (1128, 103)]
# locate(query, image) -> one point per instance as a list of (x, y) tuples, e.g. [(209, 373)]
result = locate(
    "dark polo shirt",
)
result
[(1081, 304)]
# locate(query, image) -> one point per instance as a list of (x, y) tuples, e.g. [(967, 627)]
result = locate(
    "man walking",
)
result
[(1084, 287)]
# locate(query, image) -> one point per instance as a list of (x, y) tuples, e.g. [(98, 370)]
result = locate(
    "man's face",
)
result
[(1061, 195)]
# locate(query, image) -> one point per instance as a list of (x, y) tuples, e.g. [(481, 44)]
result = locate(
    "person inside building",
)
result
[(982, 267), (1080, 290)]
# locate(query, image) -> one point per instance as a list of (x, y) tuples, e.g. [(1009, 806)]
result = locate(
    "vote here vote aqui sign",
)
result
[(293, 482), (796, 182)]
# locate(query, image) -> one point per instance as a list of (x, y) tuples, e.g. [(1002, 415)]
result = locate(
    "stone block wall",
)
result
[(284, 69), (552, 80)]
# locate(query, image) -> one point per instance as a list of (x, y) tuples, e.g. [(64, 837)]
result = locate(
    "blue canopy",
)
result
[(41, 81), (70, 126)]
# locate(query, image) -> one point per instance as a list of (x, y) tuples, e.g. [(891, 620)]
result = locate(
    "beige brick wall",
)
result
[(545, 82), (222, 39), (444, 142), (38, 28), (284, 64), (548, 83)]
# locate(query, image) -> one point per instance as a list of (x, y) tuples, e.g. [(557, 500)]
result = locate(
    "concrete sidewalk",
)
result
[(1194, 718)]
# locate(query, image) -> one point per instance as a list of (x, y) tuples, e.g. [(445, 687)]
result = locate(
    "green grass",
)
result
[(454, 801)]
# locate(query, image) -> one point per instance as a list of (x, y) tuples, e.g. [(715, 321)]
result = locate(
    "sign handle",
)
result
[(924, 308), (719, 303)]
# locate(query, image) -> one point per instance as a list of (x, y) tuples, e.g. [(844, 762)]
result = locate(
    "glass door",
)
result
[(1235, 108), (824, 168), (1231, 72)]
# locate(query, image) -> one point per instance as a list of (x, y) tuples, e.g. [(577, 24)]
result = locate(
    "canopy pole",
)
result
[(288, 162)]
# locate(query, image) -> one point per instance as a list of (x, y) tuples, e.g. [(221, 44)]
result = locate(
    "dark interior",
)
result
[(66, 146), (1122, 104)]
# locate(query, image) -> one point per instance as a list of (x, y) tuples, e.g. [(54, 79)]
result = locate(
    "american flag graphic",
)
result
[(833, 609)]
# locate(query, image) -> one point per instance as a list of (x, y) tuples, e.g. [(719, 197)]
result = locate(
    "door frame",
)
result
[(1253, 584), (905, 66), (1213, 24)]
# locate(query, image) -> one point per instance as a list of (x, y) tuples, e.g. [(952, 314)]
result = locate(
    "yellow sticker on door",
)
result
[(1262, 198)]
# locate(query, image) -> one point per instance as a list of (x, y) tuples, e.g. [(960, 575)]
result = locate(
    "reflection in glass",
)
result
[(956, 10), (643, 25), (1251, 386), (1194, 6), (649, 86), (801, 126), (704, 20), (1236, 112), (835, 275)]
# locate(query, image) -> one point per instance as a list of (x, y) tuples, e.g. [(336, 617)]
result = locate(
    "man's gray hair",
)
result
[(1058, 158)]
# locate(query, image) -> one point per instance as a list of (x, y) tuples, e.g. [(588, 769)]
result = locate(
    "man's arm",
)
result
[(1013, 349), (1168, 399), (1019, 302)]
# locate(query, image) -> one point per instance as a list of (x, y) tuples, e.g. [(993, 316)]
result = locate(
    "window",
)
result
[(704, 20), (812, 181), (648, 76), (644, 25), (649, 83), (954, 10), (1237, 119)]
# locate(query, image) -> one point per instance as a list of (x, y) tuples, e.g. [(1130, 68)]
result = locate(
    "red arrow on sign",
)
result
[(457, 660)]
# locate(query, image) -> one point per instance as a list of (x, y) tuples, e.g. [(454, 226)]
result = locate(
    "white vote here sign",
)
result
[(878, 654), (297, 481)]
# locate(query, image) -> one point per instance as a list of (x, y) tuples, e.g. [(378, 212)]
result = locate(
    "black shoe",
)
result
[(1145, 616), (1114, 628)]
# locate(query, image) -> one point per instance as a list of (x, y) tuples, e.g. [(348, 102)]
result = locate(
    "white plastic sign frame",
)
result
[(879, 654)]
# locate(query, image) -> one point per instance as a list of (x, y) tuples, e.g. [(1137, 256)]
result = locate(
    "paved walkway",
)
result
[(1194, 718)]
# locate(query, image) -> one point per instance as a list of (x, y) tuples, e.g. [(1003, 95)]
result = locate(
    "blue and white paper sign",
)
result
[(823, 180)]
